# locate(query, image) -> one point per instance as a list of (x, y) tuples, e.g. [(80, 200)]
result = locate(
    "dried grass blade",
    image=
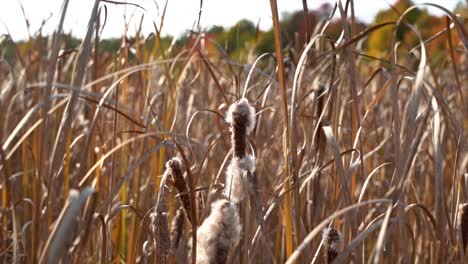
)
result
[(317, 229), (286, 134), (57, 239), (339, 164)]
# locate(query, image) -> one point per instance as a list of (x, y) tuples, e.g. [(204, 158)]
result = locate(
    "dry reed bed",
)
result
[(371, 150)]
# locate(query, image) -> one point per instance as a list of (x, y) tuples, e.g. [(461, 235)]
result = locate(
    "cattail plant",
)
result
[(463, 223), (178, 242), (177, 228), (173, 168), (218, 233), (160, 221), (241, 171), (160, 229), (240, 178), (332, 242), (241, 118)]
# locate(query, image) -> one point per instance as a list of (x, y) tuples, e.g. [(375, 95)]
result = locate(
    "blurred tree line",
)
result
[(379, 43), (245, 36)]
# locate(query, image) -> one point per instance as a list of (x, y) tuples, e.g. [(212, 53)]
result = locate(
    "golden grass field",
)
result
[(270, 149)]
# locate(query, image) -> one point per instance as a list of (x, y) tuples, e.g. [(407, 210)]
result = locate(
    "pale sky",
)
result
[(180, 14)]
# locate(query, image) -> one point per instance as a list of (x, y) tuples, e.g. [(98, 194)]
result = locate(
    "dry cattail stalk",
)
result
[(320, 140), (332, 243), (239, 178), (463, 223), (216, 235), (173, 168), (177, 228), (241, 117)]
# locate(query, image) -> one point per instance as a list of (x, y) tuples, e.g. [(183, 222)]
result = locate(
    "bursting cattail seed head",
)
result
[(463, 223), (332, 243), (241, 118), (242, 111), (216, 235), (239, 178)]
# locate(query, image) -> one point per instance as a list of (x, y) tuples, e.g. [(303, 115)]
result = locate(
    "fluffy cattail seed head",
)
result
[(241, 117), (463, 223), (332, 243), (216, 235), (239, 178)]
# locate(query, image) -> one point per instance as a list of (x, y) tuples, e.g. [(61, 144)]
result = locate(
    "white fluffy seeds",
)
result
[(216, 235), (239, 178), (242, 107)]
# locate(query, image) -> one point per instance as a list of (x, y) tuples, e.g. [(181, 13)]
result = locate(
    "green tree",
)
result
[(266, 42), (380, 41), (238, 36)]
